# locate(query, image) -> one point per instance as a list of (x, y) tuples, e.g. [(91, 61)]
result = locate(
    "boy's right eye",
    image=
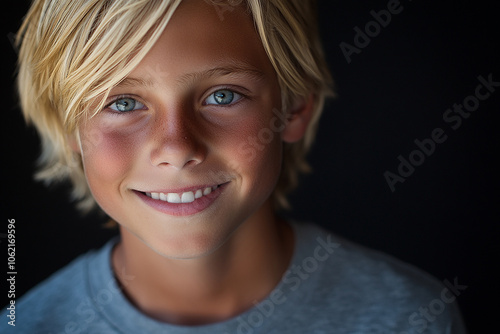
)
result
[(126, 104)]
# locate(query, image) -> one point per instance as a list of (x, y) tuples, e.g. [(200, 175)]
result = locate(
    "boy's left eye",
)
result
[(223, 97), (126, 105)]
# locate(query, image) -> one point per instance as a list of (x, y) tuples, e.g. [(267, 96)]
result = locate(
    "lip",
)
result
[(183, 209)]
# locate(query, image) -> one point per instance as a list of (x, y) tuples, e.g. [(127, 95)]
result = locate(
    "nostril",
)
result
[(191, 162)]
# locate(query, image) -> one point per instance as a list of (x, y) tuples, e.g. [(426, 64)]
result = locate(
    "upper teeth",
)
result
[(186, 197)]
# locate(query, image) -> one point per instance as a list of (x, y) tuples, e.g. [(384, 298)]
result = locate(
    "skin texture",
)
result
[(213, 264)]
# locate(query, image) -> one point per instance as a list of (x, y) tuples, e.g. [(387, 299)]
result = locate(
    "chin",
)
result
[(187, 247)]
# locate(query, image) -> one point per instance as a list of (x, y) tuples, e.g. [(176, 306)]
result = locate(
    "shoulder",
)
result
[(54, 302), (372, 289)]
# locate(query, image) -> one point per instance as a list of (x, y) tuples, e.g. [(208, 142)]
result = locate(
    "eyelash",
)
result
[(234, 91), (123, 97), (230, 89)]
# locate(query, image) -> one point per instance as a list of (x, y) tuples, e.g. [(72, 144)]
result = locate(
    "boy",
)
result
[(187, 122)]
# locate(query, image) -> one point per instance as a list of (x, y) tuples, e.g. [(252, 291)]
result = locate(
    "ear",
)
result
[(299, 117)]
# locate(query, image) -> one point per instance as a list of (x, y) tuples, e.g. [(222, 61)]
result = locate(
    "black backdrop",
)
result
[(395, 90)]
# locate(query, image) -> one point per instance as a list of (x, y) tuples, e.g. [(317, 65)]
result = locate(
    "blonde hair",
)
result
[(73, 52)]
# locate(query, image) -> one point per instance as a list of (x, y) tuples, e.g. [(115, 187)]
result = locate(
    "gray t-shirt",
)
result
[(331, 286)]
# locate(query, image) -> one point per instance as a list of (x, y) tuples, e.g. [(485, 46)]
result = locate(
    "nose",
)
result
[(176, 141)]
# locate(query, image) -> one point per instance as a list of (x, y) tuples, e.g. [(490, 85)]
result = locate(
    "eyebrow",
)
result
[(233, 69), (133, 82), (237, 69)]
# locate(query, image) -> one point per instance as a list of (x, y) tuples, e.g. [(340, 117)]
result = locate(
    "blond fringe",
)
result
[(62, 43)]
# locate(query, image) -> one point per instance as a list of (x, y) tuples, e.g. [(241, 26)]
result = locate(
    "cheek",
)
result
[(107, 155), (265, 168), (255, 151)]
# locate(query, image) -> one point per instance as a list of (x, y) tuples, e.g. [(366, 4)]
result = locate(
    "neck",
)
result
[(211, 288)]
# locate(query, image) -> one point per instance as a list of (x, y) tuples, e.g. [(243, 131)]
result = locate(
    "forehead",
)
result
[(201, 36)]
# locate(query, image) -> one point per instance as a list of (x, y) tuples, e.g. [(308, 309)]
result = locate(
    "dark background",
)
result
[(444, 218)]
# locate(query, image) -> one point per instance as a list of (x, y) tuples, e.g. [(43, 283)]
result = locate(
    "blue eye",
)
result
[(223, 97), (126, 105)]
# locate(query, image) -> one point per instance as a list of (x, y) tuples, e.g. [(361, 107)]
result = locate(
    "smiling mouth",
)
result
[(184, 197)]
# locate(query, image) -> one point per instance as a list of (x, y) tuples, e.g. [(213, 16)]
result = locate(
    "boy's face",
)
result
[(200, 111)]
